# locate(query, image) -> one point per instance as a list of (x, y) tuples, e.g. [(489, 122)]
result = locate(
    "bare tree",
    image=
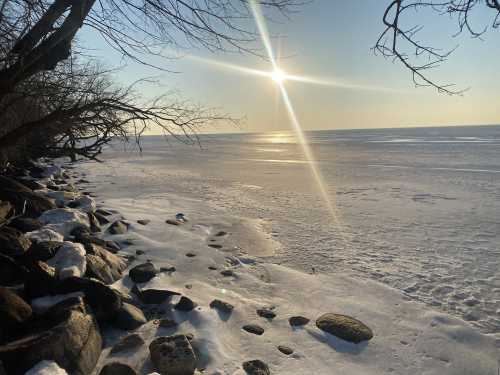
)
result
[(400, 38)]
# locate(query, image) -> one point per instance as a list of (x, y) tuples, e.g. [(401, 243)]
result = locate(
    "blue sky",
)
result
[(333, 39)]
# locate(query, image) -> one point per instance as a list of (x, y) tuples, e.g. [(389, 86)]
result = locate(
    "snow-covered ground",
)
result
[(410, 337)]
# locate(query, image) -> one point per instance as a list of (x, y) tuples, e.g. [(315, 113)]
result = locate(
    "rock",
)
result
[(23, 198), (173, 355), (83, 203), (5, 210), (129, 317), (40, 280), (11, 273), (45, 234), (104, 265), (95, 226), (130, 342), (143, 273), (167, 269), (254, 328), (25, 224), (117, 368), (84, 237), (222, 306), (297, 321), (42, 304), (67, 334), (64, 220), (285, 349), (13, 243), (344, 327), (43, 250), (118, 227), (153, 296), (256, 367), (215, 246), (227, 273), (140, 252), (167, 323), (113, 246), (31, 184), (266, 313), (144, 221), (212, 268), (185, 304), (190, 255), (60, 197), (104, 301), (69, 260), (220, 233), (46, 368), (14, 312), (103, 220), (103, 212), (173, 222)]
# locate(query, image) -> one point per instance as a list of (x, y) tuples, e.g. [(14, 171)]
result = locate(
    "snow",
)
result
[(64, 220), (46, 368), (69, 260), (42, 304), (45, 234), (410, 337)]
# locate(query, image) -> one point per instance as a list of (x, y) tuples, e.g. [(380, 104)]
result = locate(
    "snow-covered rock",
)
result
[(45, 234), (64, 220), (69, 260), (84, 203), (51, 171), (61, 197), (46, 368), (42, 304)]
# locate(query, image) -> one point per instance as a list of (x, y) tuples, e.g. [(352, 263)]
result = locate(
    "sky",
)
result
[(332, 39)]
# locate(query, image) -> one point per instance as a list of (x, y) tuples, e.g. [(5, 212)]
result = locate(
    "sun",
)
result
[(278, 76)]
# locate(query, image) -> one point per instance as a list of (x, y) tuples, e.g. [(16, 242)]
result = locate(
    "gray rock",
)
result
[(118, 227), (298, 321), (143, 272), (128, 343), (222, 306), (266, 313), (67, 334), (173, 222), (14, 312), (144, 221), (256, 367), (13, 243), (117, 368), (254, 328), (344, 327), (173, 355), (129, 317), (285, 349), (185, 304)]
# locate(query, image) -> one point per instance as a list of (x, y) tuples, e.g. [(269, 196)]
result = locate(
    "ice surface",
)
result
[(64, 220)]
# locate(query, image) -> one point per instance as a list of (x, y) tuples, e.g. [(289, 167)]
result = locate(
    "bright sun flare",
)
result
[(278, 76)]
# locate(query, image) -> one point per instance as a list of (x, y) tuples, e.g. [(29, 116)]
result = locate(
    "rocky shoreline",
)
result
[(56, 274)]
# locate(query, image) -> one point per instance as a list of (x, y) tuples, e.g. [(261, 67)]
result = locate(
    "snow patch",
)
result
[(45, 234), (42, 304), (69, 260), (46, 368), (64, 220)]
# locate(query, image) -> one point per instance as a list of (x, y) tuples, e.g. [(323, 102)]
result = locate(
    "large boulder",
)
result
[(13, 243), (11, 273), (45, 234), (83, 203), (104, 265), (23, 198), (14, 312), (67, 334), (118, 227), (129, 317), (104, 301), (173, 355), (69, 260), (64, 220), (43, 250), (40, 280), (25, 224), (143, 272), (344, 327)]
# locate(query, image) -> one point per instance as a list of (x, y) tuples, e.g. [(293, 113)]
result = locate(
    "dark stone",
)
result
[(344, 327), (5, 210), (67, 334), (222, 306), (103, 212), (112, 246), (95, 226), (117, 368), (43, 251), (13, 243), (40, 280), (25, 224), (297, 321), (167, 269), (227, 273), (22, 197), (103, 220), (31, 184), (212, 268), (266, 313), (167, 323), (129, 317), (153, 296), (130, 342), (173, 355), (143, 273), (104, 301), (139, 252), (220, 234), (285, 349), (254, 328), (185, 304), (256, 367), (144, 221), (118, 227), (14, 312), (104, 265), (190, 255), (11, 273), (173, 222), (215, 246)]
